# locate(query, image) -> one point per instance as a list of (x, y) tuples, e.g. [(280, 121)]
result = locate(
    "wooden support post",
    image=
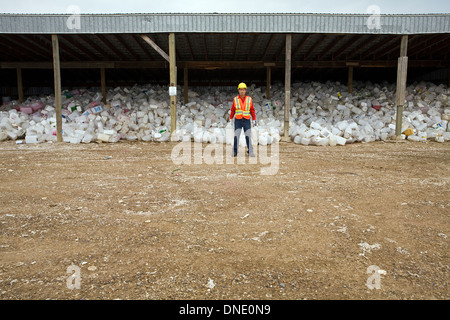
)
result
[(57, 76), (103, 80), (19, 84), (173, 83), (350, 80), (186, 86), (401, 85), (269, 80), (287, 87)]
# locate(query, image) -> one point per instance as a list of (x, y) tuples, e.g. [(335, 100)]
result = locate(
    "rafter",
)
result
[(314, 46)]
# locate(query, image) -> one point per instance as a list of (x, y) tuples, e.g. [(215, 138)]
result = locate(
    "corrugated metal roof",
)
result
[(224, 23)]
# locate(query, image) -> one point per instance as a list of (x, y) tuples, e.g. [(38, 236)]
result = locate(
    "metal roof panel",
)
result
[(223, 23)]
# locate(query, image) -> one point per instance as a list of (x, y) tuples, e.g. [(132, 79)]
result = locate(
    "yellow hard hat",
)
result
[(242, 86)]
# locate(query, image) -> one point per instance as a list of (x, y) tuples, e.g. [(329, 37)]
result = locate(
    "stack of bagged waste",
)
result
[(321, 114)]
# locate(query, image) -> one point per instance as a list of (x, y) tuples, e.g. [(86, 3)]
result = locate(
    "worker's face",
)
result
[(242, 92)]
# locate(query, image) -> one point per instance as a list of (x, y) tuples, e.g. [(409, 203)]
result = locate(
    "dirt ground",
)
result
[(129, 223)]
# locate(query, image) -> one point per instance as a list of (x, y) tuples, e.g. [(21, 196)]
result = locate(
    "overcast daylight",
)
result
[(224, 157), (233, 6)]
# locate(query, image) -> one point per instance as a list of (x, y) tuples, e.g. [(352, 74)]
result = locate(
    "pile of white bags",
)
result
[(320, 114)]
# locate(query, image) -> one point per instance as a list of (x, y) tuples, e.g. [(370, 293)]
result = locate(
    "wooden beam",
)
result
[(173, 83), (140, 65), (421, 43), (401, 84), (97, 47), (390, 46), (267, 47), (300, 44), (223, 64), (374, 46), (143, 48), (330, 47), (314, 46), (441, 51), (362, 46), (280, 51), (344, 46), (186, 86), (57, 76), (209, 65), (156, 47), (287, 87), (103, 39), (269, 75), (433, 46), (252, 47), (124, 44), (19, 49), (76, 42), (67, 51), (36, 49), (236, 46), (186, 36), (404, 46)]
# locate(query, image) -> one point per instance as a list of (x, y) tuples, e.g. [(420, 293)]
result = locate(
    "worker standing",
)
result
[(242, 109)]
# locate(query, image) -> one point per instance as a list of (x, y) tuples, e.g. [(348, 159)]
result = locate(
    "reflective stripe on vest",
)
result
[(242, 112)]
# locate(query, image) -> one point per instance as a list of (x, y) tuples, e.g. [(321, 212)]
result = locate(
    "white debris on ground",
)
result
[(321, 114)]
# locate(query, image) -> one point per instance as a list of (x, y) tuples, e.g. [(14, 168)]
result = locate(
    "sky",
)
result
[(225, 6)]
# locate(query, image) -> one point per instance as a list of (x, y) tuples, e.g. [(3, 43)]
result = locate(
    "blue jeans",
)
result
[(240, 124)]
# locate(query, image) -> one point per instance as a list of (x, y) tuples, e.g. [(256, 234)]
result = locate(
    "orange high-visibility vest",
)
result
[(242, 111)]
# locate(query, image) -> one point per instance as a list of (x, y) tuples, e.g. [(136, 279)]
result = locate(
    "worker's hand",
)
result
[(254, 123)]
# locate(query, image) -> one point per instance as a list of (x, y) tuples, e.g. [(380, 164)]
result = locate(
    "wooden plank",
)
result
[(404, 46), (173, 82), (401, 84), (57, 76), (401, 81), (287, 87), (222, 64), (186, 86), (156, 47)]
